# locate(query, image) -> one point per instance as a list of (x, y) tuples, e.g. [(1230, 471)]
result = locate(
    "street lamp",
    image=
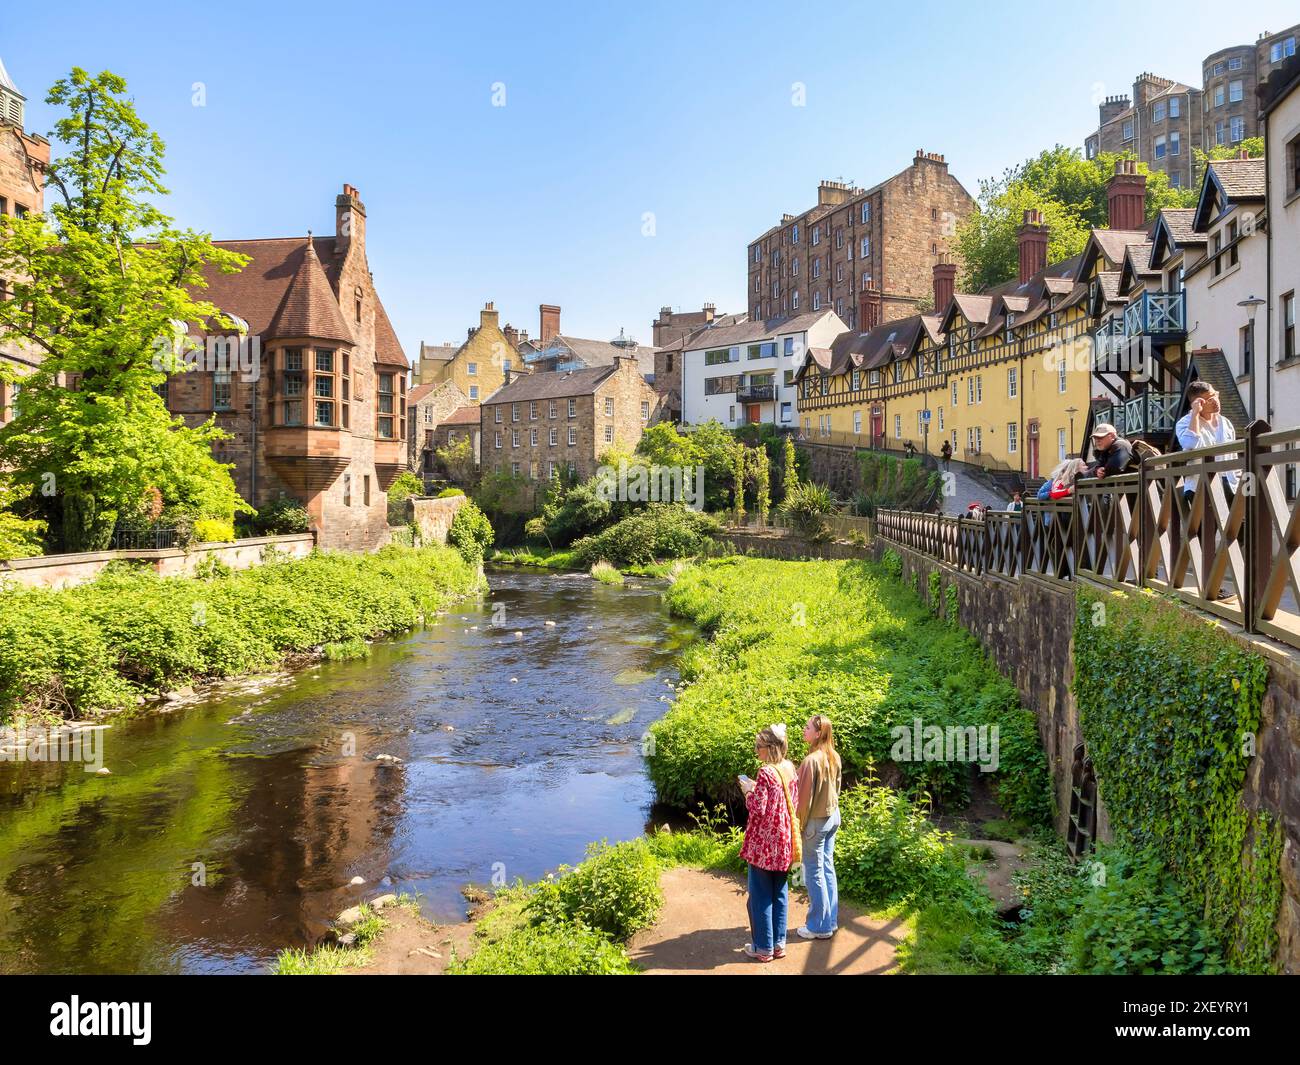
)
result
[(1251, 303), (1071, 411)]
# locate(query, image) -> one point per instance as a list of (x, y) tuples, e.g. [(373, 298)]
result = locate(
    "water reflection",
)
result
[(231, 828)]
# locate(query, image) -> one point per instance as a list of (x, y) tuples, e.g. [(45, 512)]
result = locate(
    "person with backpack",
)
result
[(1111, 453), (772, 844)]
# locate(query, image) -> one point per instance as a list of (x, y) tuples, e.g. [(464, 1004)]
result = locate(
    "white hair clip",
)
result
[(779, 730)]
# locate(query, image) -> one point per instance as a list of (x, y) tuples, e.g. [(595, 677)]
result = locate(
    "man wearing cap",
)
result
[(1111, 452)]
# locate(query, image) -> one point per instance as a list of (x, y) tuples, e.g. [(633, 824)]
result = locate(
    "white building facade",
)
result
[(1280, 402), (744, 374)]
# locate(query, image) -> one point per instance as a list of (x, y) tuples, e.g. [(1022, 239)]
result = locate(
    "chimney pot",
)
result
[(1126, 196), (945, 281)]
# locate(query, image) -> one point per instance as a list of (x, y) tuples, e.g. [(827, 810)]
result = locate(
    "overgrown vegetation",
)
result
[(471, 533), (887, 481), (98, 647), (840, 638), (1169, 706), (657, 532)]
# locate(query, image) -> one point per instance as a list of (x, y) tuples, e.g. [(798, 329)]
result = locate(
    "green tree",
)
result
[(738, 482), (789, 468), (1252, 146), (1069, 191), (103, 289), (710, 445), (762, 484)]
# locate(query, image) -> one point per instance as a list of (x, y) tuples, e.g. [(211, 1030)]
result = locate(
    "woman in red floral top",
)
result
[(769, 843)]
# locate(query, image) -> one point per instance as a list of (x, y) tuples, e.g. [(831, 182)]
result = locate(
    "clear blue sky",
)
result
[(682, 110)]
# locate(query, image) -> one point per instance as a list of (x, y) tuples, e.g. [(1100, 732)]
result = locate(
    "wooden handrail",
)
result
[(1214, 527)]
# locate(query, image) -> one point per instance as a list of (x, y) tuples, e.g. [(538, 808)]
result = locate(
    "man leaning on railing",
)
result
[(1111, 453)]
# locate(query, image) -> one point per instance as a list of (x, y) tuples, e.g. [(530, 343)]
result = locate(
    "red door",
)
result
[(877, 427), (752, 412)]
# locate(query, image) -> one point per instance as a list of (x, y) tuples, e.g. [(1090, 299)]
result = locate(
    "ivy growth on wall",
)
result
[(1169, 706)]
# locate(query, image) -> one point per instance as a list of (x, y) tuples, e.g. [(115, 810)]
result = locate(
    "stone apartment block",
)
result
[(319, 412), (866, 254), (544, 423), (428, 407), (1164, 120), (1161, 124), (481, 365), (23, 160)]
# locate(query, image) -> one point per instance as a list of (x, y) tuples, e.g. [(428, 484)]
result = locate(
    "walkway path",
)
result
[(968, 490), (703, 929)]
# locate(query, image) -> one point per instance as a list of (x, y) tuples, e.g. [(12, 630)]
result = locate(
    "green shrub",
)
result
[(806, 506), (660, 531), (546, 949), (96, 647), (615, 890), (840, 638), (606, 574), (214, 531), (470, 533), (282, 517), (448, 493), (1139, 922)]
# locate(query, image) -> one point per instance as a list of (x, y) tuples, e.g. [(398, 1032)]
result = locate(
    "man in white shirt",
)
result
[(1205, 425)]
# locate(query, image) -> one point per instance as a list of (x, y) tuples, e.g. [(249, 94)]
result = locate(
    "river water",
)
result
[(231, 827)]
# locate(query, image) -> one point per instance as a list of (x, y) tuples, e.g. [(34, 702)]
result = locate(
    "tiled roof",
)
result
[(256, 293), (309, 307), (438, 352), (1179, 222), (558, 385), (1241, 179), (1114, 242), (974, 309), (467, 415)]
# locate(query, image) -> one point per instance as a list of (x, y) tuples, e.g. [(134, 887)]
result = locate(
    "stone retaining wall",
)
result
[(432, 516), (1027, 628), (63, 571)]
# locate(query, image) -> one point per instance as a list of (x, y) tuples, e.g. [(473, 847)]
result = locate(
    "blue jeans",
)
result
[(769, 898), (819, 873)]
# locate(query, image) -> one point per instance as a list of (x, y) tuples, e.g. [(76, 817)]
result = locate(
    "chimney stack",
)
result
[(1032, 238), (349, 222), (488, 316), (945, 282), (710, 311), (512, 335), (549, 323), (1126, 196)]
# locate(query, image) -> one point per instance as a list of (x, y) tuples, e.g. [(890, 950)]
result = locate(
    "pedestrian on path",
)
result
[(819, 813), (771, 835), (945, 453)]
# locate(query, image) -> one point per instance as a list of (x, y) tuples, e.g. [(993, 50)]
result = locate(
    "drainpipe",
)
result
[(1268, 287)]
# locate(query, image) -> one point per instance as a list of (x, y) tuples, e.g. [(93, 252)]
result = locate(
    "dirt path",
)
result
[(703, 928), (411, 946)]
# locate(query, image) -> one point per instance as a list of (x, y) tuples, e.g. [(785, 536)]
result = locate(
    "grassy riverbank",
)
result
[(789, 639), (103, 646)]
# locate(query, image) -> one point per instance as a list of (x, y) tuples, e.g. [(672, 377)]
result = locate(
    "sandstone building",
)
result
[(1165, 120), (23, 160), (479, 366), (318, 411), (544, 423), (865, 254)]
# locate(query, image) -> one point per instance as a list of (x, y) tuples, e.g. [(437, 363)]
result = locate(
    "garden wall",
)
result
[(433, 516), (1027, 625), (62, 571)]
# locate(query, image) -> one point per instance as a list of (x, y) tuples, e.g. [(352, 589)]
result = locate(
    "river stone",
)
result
[(357, 880), (382, 901), (103, 771), (349, 916)]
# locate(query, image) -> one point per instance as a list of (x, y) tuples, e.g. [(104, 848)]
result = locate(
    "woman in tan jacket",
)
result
[(819, 814)]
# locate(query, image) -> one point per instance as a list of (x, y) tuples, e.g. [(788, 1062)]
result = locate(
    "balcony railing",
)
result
[(1147, 413), (1109, 346), (1157, 314), (1174, 526), (756, 393)]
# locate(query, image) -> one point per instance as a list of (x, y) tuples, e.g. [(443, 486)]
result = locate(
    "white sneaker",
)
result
[(803, 933)]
